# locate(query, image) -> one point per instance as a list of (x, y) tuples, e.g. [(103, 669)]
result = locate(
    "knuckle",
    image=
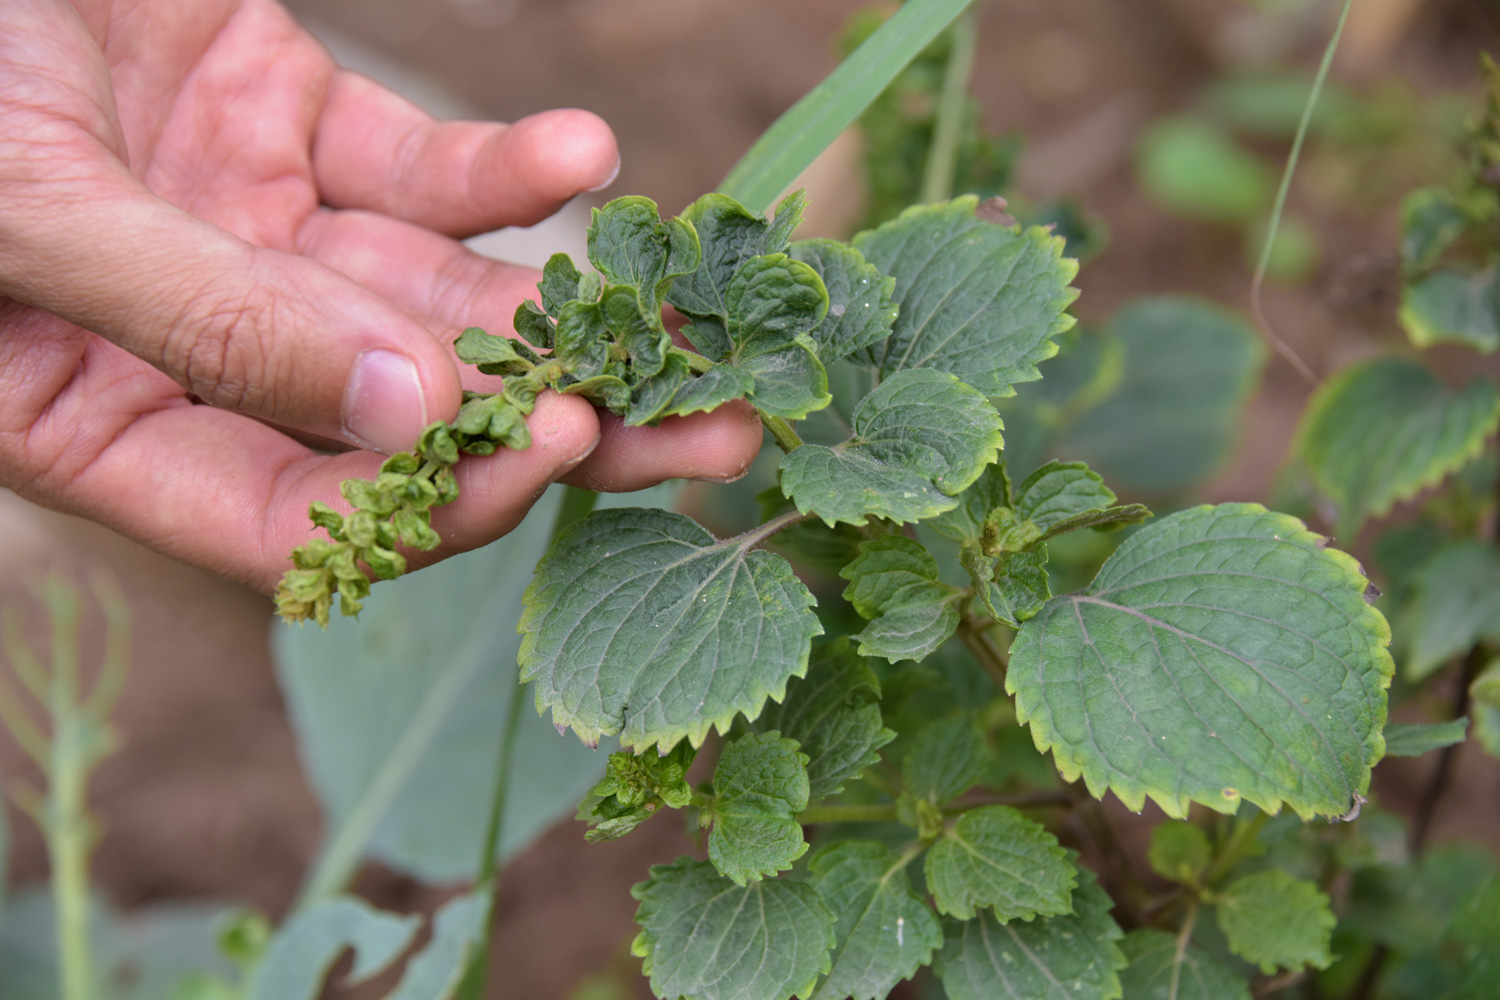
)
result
[(219, 344)]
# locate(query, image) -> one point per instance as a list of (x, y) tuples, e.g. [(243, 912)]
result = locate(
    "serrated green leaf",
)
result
[(861, 311), (729, 235), (894, 585), (920, 439), (1415, 739), (559, 284), (1430, 222), (490, 354), (304, 949), (978, 300), (1382, 430), (1160, 969), (705, 938), (634, 788), (774, 303), (1173, 409), (1275, 920), (946, 758), (457, 929), (1448, 307), (1222, 654), (1072, 957), (655, 397), (630, 243), (640, 622), (1455, 603), (1066, 496), (994, 858), (884, 930), (1180, 851), (1484, 697), (709, 391), (581, 340), (834, 715), (1020, 590), (760, 785), (965, 522)]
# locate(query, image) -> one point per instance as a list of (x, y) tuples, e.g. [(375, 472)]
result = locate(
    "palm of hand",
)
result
[(229, 112)]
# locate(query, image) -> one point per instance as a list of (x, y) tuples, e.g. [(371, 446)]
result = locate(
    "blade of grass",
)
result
[(809, 126), (1257, 307)]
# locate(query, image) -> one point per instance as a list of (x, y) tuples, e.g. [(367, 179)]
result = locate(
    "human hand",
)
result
[(197, 205)]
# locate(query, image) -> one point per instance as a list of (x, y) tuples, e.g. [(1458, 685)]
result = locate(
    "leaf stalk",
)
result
[(941, 170)]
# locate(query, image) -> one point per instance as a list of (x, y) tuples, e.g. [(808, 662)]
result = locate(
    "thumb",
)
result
[(269, 334)]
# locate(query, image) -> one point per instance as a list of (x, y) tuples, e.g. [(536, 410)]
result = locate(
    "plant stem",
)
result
[(782, 432), (806, 129), (759, 534), (1438, 783), (1236, 847), (941, 170), (1183, 937), (576, 503), (990, 658)]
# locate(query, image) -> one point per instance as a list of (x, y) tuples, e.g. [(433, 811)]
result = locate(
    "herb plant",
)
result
[(853, 700)]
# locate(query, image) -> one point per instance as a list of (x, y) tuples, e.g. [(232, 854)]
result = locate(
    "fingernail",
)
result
[(573, 463), (611, 178), (384, 407)]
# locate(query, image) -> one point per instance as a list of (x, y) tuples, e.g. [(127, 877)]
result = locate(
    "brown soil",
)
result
[(205, 800)]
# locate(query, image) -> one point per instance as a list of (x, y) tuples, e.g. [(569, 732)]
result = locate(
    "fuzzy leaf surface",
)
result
[(641, 622), (303, 950), (630, 243), (965, 522), (1071, 957), (1456, 604), (760, 785), (1158, 972), (1275, 920), (920, 439), (945, 759), (834, 715), (728, 235), (774, 304), (1066, 496), (894, 585), (861, 311), (1448, 307), (1415, 739), (705, 938), (978, 299), (1223, 653), (1381, 431), (994, 858), (884, 930)]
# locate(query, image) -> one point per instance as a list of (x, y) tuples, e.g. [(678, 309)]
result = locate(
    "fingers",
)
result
[(717, 447), (375, 151), (270, 334), (229, 494)]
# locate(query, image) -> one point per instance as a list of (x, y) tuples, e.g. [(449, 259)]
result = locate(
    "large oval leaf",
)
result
[(640, 622), (978, 299), (1383, 430), (1222, 654)]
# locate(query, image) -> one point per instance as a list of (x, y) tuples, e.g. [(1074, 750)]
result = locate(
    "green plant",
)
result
[(853, 699)]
